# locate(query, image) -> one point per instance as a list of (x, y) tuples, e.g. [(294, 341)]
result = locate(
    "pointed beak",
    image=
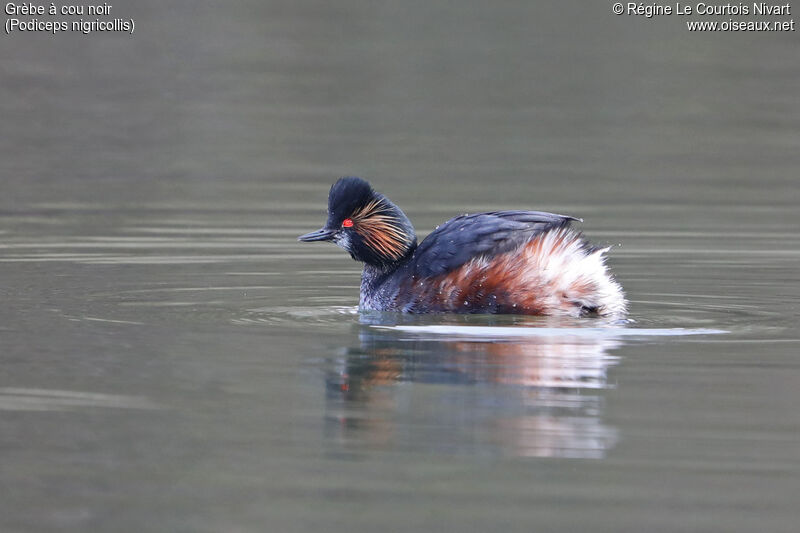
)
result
[(319, 235)]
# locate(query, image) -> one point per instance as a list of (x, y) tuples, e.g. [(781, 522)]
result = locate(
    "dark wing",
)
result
[(484, 234)]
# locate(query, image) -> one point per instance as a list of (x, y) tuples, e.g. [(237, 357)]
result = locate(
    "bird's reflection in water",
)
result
[(536, 396)]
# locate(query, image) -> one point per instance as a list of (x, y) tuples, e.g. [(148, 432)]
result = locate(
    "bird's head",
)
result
[(366, 224)]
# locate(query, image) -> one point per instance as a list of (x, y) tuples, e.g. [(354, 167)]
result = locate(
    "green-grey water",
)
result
[(172, 359)]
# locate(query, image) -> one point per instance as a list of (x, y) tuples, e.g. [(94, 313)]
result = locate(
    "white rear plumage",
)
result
[(572, 277)]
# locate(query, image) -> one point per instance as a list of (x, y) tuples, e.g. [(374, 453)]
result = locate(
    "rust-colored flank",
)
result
[(536, 278)]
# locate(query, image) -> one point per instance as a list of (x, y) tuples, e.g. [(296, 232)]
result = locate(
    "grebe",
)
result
[(514, 262)]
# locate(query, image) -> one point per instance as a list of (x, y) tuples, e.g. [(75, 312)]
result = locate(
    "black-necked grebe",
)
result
[(515, 262)]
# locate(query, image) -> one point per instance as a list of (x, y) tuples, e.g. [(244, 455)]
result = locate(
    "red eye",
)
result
[(347, 223)]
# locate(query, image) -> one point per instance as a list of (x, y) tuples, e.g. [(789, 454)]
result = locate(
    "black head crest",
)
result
[(348, 195)]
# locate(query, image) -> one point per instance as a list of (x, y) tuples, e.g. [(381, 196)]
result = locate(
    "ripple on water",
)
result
[(24, 399), (500, 332), (281, 315)]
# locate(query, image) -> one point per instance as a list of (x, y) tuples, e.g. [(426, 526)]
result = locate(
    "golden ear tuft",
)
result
[(380, 230)]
